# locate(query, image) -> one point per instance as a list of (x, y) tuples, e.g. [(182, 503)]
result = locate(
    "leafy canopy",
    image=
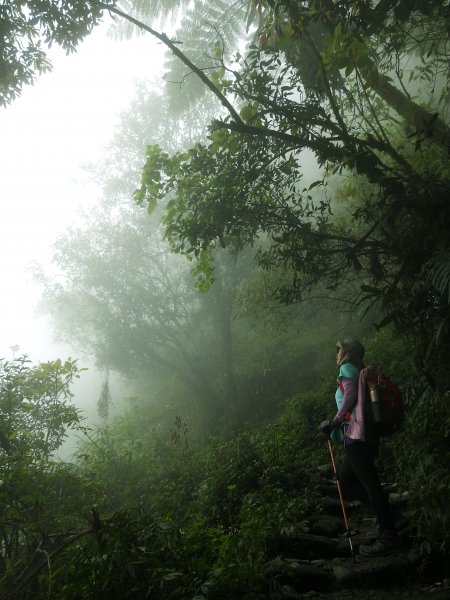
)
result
[(358, 118), (27, 27)]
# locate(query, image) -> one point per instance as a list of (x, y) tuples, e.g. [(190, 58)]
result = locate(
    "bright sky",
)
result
[(58, 124)]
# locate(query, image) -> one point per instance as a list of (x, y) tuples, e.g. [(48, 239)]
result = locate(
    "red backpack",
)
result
[(384, 401)]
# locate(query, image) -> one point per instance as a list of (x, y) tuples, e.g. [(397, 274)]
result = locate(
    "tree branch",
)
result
[(15, 592), (172, 46)]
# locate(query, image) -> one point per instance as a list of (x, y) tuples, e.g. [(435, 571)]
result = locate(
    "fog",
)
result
[(176, 346), (111, 286), (47, 135), (196, 230)]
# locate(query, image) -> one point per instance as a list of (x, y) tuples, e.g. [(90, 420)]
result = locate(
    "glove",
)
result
[(326, 427)]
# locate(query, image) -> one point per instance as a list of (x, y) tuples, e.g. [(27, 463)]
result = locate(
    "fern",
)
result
[(437, 272), (202, 25), (166, 12)]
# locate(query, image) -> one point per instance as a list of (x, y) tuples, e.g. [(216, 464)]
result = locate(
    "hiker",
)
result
[(358, 475)]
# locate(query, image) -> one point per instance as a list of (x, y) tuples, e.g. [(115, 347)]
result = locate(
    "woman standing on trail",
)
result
[(358, 475)]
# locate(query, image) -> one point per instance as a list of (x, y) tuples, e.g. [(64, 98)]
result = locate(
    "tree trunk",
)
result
[(223, 310), (414, 114)]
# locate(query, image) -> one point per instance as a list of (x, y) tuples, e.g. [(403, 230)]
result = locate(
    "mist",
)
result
[(206, 208), (48, 135)]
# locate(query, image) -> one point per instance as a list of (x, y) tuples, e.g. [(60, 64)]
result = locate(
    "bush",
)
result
[(423, 458)]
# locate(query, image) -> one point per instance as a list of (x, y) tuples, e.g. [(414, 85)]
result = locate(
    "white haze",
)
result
[(62, 122)]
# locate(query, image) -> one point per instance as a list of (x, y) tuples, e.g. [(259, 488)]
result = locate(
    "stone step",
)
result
[(297, 577), (305, 576), (379, 572), (332, 506), (306, 546), (326, 525), (317, 557), (399, 499)]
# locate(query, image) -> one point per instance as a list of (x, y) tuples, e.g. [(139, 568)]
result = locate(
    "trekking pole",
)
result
[(341, 499)]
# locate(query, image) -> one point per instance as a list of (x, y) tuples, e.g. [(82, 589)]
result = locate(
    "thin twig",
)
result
[(15, 591)]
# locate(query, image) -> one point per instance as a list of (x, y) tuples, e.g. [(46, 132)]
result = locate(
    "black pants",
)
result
[(359, 480)]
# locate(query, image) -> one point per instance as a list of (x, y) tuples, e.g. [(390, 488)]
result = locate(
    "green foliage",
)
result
[(437, 271), (105, 400), (28, 26), (38, 494), (209, 31), (179, 514), (179, 519), (205, 516), (35, 408), (423, 455), (361, 118), (123, 296)]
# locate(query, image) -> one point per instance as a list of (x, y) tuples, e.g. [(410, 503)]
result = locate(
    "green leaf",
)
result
[(387, 319), (248, 112), (151, 206), (315, 184)]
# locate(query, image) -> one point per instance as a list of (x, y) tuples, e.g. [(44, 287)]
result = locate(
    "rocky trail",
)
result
[(314, 559)]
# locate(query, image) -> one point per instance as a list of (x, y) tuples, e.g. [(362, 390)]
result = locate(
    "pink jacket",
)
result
[(357, 427)]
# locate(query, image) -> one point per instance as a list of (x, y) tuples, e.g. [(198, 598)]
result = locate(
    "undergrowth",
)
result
[(176, 520)]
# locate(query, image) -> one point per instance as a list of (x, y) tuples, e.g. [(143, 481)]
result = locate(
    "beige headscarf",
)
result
[(354, 352)]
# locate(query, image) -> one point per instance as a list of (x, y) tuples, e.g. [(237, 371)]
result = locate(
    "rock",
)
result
[(287, 592), (344, 576), (321, 565), (344, 548), (333, 505), (308, 546), (398, 499), (305, 576), (413, 557), (327, 525), (380, 572), (390, 487), (326, 488)]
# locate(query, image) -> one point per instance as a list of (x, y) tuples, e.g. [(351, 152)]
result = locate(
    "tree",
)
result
[(124, 298), (127, 301), (322, 39), (247, 181), (27, 26), (148, 118), (35, 414), (206, 29)]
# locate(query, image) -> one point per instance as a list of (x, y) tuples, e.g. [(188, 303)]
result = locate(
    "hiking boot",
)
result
[(386, 543)]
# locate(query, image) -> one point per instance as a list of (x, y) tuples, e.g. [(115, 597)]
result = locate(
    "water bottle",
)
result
[(375, 403)]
